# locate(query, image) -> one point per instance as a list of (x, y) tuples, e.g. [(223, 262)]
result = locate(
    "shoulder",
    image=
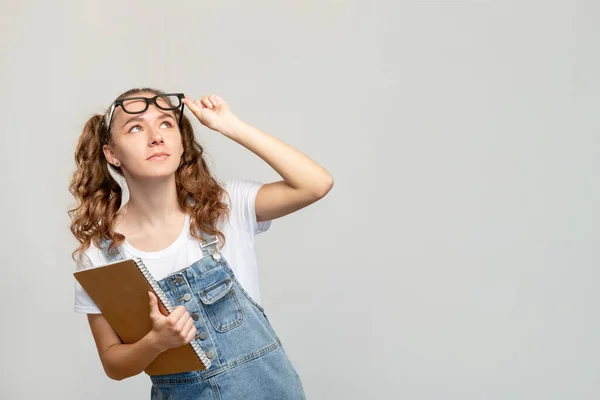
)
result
[(242, 199), (241, 194), (91, 257), (241, 189)]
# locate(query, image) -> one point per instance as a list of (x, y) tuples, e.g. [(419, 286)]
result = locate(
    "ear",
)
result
[(110, 155)]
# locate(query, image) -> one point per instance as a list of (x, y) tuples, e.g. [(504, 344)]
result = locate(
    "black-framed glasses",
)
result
[(138, 105)]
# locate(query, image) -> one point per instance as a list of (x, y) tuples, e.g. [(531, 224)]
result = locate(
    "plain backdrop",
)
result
[(456, 256)]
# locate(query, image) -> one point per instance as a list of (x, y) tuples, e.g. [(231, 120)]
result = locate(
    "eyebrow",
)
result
[(141, 118)]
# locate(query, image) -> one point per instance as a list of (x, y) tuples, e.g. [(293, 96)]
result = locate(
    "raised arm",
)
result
[(304, 181)]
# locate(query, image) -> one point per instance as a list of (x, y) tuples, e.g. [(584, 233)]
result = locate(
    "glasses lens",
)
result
[(168, 102), (134, 105)]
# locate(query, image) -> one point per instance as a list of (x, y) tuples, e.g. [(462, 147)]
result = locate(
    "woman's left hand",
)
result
[(212, 112)]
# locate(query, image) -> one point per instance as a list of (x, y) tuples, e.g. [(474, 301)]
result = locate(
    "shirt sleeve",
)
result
[(83, 303), (243, 200)]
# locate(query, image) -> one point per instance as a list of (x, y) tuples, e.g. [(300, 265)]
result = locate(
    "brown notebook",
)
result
[(120, 290)]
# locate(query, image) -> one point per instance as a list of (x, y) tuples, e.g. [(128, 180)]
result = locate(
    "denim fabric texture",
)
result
[(248, 359)]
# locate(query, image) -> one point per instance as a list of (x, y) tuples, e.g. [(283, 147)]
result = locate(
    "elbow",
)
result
[(114, 375), (112, 367), (325, 186)]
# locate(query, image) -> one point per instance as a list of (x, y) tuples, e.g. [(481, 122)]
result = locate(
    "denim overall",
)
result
[(247, 357)]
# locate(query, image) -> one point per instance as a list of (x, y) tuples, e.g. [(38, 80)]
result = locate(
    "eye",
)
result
[(167, 122), (135, 126)]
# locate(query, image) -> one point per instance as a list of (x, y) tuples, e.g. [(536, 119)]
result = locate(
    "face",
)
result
[(147, 144)]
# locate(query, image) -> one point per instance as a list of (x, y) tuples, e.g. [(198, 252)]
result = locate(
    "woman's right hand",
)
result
[(173, 330)]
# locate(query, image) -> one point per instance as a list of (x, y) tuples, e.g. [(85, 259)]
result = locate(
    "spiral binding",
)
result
[(167, 303)]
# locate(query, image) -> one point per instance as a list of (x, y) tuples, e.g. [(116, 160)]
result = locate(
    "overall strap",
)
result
[(208, 244), (113, 255)]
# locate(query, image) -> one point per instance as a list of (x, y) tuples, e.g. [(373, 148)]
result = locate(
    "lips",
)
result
[(157, 155)]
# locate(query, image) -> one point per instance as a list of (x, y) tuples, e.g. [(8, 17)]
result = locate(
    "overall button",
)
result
[(217, 256), (210, 354), (179, 279), (202, 335), (187, 297), (195, 317)]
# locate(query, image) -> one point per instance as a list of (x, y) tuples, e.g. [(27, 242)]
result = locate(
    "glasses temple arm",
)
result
[(181, 116)]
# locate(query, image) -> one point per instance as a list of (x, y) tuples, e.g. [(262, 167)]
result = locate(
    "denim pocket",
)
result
[(222, 305)]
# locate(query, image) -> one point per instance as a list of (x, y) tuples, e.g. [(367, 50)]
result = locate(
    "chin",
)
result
[(158, 171)]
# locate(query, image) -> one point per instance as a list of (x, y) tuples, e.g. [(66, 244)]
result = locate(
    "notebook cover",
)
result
[(120, 291)]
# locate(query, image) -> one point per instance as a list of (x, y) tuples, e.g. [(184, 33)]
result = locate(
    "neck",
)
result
[(152, 204)]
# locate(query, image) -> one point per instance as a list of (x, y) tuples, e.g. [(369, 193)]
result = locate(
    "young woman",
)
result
[(195, 235)]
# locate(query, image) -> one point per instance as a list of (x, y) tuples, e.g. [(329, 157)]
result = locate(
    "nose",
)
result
[(154, 134), (156, 137)]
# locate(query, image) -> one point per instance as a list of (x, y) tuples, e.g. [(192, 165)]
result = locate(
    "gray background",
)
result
[(456, 256)]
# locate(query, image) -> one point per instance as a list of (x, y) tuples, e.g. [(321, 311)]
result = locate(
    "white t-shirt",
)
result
[(239, 230)]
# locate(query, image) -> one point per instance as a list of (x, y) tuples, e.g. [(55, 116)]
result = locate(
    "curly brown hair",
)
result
[(99, 195)]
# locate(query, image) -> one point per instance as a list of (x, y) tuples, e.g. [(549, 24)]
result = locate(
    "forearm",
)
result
[(125, 360), (298, 170)]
